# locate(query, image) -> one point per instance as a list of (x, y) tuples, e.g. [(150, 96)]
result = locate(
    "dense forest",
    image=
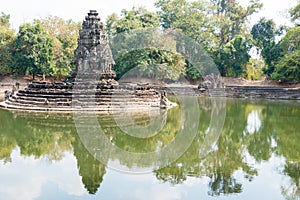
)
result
[(221, 27)]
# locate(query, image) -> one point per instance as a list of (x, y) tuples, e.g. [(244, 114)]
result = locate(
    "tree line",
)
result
[(220, 26), (44, 47)]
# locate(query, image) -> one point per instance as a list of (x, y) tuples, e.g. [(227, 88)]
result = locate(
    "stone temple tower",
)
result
[(92, 85), (93, 54)]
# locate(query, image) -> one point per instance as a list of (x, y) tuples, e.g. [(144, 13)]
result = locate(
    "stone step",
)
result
[(257, 88), (83, 101), (98, 94), (63, 92), (82, 97), (119, 106), (86, 85)]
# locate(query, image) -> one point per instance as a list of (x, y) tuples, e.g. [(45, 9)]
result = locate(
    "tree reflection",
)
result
[(7, 144), (286, 135), (292, 169), (223, 183), (38, 136), (48, 136), (233, 146), (255, 129), (7, 139)]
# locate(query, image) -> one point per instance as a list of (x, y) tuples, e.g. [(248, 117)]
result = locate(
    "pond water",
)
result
[(238, 149)]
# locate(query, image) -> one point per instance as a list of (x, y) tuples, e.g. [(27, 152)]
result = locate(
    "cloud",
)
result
[(25, 177)]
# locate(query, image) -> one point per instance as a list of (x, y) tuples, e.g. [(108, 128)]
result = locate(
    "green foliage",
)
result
[(131, 19), (128, 46), (234, 57), (110, 24), (217, 25), (192, 73), (4, 20), (64, 34), (231, 17), (47, 47), (152, 63), (171, 11), (264, 33), (254, 69), (271, 53), (295, 14), (33, 51), (291, 41), (190, 18), (288, 68), (282, 61), (50, 136), (7, 37), (213, 25)]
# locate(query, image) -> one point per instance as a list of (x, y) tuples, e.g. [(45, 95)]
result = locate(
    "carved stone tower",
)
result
[(93, 54), (92, 85)]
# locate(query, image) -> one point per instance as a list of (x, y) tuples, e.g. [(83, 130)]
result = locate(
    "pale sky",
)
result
[(22, 11)]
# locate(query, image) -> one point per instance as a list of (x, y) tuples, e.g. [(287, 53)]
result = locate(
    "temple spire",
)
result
[(93, 53)]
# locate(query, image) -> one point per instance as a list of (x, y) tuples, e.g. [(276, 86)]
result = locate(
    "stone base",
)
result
[(103, 95)]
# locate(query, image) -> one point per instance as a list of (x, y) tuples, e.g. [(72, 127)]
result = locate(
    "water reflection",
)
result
[(253, 122), (254, 132), (90, 169)]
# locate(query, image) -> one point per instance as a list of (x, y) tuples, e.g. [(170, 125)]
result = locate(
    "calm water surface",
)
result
[(254, 153)]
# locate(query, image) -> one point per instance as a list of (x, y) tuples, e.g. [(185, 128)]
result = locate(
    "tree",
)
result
[(135, 18), (134, 41), (217, 21), (152, 63), (254, 69), (264, 33), (33, 51), (4, 20), (110, 24), (271, 54), (231, 17), (212, 24), (288, 68), (234, 57), (291, 41), (295, 14), (190, 18), (230, 30), (7, 36), (64, 34)]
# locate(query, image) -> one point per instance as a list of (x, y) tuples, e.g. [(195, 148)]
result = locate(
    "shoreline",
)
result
[(239, 92), (234, 88)]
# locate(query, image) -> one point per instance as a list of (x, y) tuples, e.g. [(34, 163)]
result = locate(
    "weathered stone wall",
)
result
[(255, 92), (99, 97)]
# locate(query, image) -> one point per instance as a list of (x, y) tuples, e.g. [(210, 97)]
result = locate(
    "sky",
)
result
[(22, 11)]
